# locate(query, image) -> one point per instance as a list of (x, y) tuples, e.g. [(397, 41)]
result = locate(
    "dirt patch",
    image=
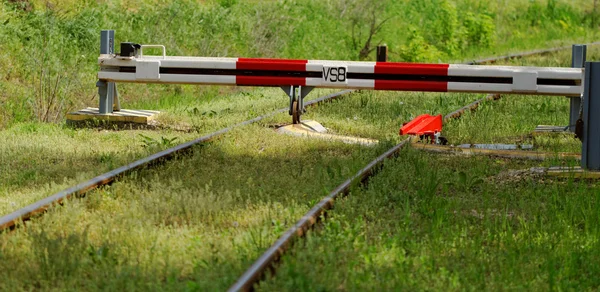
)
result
[(122, 126), (516, 176)]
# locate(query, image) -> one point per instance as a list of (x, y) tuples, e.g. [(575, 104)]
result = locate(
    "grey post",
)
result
[(577, 61), (106, 90), (590, 150)]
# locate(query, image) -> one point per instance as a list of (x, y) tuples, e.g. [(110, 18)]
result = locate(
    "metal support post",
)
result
[(578, 59), (590, 150), (107, 91), (107, 42)]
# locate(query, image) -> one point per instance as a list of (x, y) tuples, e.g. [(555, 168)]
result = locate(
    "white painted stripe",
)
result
[(314, 67), (106, 60), (313, 81), (560, 90), (192, 59), (351, 83), (477, 71), (514, 68), (508, 71), (170, 78), (116, 76), (568, 75), (198, 79), (361, 83), (205, 64), (366, 68), (479, 87), (507, 88)]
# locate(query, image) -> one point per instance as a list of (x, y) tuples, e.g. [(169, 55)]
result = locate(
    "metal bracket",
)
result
[(297, 94)]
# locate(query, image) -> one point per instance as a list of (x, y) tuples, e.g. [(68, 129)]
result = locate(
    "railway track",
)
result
[(268, 259), (10, 221), (493, 60), (255, 273)]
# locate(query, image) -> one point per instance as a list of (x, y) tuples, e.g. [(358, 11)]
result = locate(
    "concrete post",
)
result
[(590, 150), (578, 59)]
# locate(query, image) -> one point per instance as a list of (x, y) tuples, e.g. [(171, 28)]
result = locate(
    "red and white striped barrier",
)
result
[(342, 74)]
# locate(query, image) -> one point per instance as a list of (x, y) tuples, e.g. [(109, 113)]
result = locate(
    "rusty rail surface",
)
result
[(11, 220)]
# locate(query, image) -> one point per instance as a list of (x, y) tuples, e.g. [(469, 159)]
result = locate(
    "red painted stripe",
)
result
[(271, 64), (434, 86), (411, 68), (270, 81)]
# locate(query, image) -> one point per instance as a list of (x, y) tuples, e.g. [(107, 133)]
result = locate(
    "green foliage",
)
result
[(48, 49), (50, 52), (479, 30), (418, 50), (162, 142), (405, 232), (446, 27), (227, 3), (555, 15)]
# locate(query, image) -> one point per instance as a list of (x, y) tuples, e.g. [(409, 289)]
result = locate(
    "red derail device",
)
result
[(424, 126)]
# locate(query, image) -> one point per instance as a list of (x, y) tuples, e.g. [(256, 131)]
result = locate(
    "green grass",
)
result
[(222, 206), (434, 222), (197, 222), (426, 222), (439, 222)]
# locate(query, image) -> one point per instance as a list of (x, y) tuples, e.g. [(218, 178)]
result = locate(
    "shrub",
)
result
[(480, 30), (418, 50), (446, 27)]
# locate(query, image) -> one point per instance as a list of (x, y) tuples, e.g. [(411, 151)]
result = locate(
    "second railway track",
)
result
[(268, 259), (11, 221)]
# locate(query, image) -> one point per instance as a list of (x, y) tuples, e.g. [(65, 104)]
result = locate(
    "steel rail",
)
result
[(472, 106), (10, 221), (271, 256), (524, 54), (515, 154), (252, 275), (268, 258)]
